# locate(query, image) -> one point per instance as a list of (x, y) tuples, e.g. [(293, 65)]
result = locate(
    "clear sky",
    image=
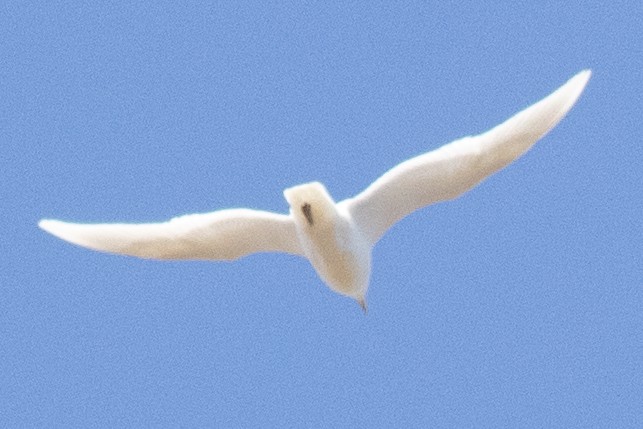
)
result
[(518, 305)]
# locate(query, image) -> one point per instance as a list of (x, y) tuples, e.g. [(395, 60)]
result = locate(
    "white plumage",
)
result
[(337, 238)]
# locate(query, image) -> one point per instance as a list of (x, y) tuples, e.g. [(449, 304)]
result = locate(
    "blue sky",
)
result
[(518, 305)]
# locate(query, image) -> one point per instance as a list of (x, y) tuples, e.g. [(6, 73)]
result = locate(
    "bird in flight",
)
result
[(337, 238)]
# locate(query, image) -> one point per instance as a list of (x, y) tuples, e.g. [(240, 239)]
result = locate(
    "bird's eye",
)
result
[(306, 209)]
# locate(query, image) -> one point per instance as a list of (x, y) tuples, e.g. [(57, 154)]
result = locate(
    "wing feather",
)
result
[(455, 168), (221, 235)]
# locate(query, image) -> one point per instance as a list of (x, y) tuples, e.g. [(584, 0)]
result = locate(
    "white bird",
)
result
[(337, 238)]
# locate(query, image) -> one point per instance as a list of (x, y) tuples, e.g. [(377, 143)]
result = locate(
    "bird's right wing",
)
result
[(221, 235), (453, 169)]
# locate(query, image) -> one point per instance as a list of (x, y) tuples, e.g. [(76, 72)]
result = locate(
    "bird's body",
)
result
[(335, 246), (337, 238)]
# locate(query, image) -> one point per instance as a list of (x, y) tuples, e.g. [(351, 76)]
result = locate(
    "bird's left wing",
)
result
[(453, 169), (221, 235)]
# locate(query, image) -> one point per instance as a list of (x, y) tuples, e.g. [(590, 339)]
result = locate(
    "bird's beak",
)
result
[(362, 303)]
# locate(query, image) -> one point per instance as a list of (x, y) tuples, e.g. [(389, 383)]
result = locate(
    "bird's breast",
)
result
[(338, 255)]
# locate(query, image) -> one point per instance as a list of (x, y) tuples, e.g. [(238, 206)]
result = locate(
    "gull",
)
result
[(337, 238)]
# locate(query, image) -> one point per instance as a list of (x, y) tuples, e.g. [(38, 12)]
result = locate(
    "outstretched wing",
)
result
[(453, 169), (222, 235)]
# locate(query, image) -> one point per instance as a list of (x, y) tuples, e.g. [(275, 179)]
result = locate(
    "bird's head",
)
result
[(310, 204)]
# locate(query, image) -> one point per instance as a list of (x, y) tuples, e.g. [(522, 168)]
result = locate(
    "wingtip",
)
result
[(581, 78), (563, 99), (52, 227), (59, 229), (576, 85), (45, 224)]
